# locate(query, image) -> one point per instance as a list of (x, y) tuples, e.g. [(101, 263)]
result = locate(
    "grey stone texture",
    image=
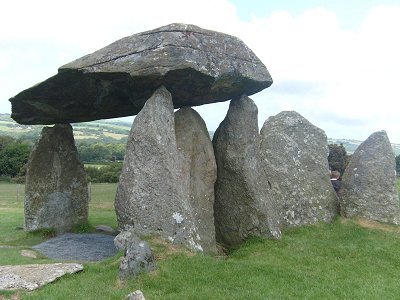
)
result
[(136, 295), (152, 195), (200, 173), (78, 247), (294, 155), (196, 65), (138, 258), (369, 182), (31, 277), (243, 205), (56, 191)]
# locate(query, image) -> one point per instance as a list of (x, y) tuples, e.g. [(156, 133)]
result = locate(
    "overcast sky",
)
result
[(337, 63)]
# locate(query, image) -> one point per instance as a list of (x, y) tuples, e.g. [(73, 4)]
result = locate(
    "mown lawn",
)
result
[(343, 260)]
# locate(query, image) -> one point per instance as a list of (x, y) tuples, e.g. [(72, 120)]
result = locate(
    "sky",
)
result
[(337, 63)]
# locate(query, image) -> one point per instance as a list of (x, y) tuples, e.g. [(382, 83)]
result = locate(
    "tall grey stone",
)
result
[(56, 191), (294, 155), (196, 65), (199, 172), (151, 195), (369, 182), (243, 205)]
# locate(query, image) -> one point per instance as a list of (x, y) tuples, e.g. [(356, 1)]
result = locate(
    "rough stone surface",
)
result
[(294, 155), (151, 195), (28, 253), (200, 170), (369, 182), (136, 295), (120, 241), (243, 205), (138, 258), (31, 277), (80, 247), (56, 191), (197, 66)]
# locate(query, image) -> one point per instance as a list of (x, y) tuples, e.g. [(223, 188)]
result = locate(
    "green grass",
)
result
[(342, 260)]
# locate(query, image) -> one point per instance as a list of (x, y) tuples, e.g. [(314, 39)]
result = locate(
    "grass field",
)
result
[(343, 260)]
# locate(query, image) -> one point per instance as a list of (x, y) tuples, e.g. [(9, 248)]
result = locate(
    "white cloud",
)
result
[(343, 81)]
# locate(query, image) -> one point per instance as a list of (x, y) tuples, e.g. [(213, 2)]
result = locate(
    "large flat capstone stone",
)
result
[(197, 66)]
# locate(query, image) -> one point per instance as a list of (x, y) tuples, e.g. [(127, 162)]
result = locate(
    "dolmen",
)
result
[(176, 182)]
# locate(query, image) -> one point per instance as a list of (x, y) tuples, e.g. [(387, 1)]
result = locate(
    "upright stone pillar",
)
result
[(368, 187), (56, 191), (199, 171), (243, 205), (153, 192), (294, 156)]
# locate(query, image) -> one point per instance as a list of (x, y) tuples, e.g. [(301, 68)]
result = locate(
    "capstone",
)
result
[(196, 65)]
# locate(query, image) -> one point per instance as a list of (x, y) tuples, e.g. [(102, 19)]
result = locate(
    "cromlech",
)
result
[(176, 182)]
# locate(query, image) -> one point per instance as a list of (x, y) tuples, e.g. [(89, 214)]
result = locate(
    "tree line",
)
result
[(14, 155)]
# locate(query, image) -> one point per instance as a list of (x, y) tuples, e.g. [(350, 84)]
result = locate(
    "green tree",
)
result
[(398, 165), (13, 157), (338, 158)]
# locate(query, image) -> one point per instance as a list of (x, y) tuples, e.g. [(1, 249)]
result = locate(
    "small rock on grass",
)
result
[(28, 253), (136, 295)]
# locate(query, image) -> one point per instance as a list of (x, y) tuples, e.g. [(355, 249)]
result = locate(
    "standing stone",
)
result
[(150, 195), (295, 160), (369, 182), (243, 205), (56, 191), (200, 173)]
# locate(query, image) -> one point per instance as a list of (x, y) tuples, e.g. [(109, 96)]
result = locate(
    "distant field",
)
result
[(116, 136)]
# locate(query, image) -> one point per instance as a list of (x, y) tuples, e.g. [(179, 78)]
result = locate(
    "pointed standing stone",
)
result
[(369, 182), (243, 205), (56, 192), (151, 195), (295, 159), (200, 173)]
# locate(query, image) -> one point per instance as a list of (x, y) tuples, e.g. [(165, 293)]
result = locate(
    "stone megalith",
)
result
[(56, 191), (151, 195), (196, 65), (294, 156), (243, 205), (368, 187), (200, 170)]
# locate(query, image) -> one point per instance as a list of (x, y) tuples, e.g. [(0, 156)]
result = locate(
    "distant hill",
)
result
[(118, 131), (95, 130), (351, 145)]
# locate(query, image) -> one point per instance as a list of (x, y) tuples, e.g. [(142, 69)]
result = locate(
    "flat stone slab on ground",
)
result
[(31, 277), (80, 247)]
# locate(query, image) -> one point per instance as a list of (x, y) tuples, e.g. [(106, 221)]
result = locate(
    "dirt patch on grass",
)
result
[(163, 249), (372, 224)]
